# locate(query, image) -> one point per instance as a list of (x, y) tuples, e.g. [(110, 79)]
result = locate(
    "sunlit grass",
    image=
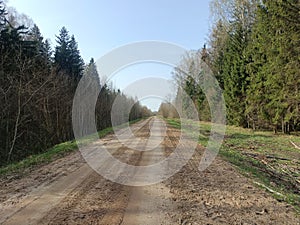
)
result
[(55, 152)]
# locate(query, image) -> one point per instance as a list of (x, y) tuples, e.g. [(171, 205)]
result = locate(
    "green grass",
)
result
[(174, 123), (240, 143), (46, 157), (53, 153)]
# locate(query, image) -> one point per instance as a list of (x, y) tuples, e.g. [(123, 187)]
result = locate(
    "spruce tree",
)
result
[(62, 52), (92, 73), (235, 76), (67, 56), (75, 61), (273, 95)]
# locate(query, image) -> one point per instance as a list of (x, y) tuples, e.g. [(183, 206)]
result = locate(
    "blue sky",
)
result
[(100, 26)]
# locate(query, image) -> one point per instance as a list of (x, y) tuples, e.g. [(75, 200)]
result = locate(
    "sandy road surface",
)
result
[(68, 191)]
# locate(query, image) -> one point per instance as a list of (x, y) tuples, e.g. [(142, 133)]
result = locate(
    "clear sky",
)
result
[(100, 26)]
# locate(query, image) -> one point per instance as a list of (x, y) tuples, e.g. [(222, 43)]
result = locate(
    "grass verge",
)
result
[(270, 160), (53, 153)]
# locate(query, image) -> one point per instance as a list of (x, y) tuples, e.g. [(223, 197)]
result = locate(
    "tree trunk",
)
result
[(16, 125)]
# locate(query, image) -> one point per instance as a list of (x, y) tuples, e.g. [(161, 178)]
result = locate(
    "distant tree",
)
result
[(167, 110), (189, 77), (47, 52), (91, 71)]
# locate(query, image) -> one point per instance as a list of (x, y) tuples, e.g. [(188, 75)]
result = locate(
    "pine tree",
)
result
[(62, 51), (67, 56), (47, 51), (273, 96), (91, 71), (235, 76), (76, 62), (256, 109), (228, 42), (218, 40)]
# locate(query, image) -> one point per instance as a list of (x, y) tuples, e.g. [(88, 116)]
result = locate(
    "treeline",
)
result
[(37, 86), (254, 52), (167, 110)]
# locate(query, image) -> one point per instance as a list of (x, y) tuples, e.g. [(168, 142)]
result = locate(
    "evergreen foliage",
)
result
[(254, 53), (37, 90)]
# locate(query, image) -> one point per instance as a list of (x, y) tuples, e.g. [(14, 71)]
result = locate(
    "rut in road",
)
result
[(68, 191), (83, 195)]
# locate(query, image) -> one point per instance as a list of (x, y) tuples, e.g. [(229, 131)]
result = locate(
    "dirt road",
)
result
[(68, 191)]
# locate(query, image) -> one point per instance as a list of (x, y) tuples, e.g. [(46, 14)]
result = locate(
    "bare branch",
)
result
[(296, 146)]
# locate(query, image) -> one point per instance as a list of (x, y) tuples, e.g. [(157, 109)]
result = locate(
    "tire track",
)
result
[(73, 207), (220, 195), (40, 206)]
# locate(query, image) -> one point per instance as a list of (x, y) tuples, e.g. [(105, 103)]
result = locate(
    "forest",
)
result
[(253, 50), (221, 147), (37, 86)]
